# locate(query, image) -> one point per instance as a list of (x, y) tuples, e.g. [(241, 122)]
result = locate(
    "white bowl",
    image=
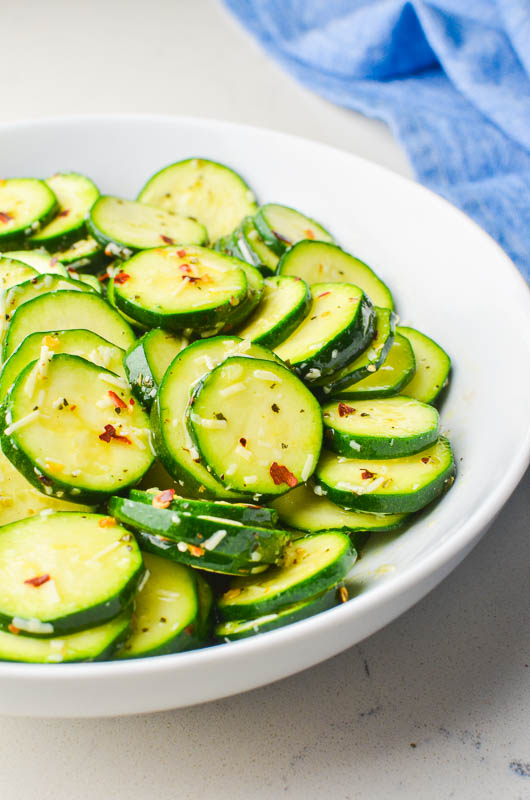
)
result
[(449, 279)]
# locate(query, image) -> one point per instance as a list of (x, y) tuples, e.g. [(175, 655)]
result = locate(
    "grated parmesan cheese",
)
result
[(308, 466), (211, 424), (265, 375), (215, 539), (234, 389), (107, 377), (20, 423)]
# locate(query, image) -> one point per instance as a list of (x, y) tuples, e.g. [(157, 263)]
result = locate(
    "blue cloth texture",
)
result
[(451, 78)]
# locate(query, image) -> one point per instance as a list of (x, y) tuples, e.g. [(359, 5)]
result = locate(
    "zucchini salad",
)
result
[(207, 407)]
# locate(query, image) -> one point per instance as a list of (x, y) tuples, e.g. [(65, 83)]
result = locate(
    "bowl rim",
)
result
[(460, 542)]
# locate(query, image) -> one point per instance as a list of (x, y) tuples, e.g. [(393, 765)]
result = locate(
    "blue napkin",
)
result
[(451, 79)]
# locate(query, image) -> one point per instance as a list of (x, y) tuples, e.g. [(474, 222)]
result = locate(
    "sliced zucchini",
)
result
[(340, 383), (19, 499), (123, 226), (166, 611), (386, 427), (206, 607), (255, 287), (389, 486), (241, 629), (26, 204), (432, 367), (75, 194), (209, 192), (40, 260), (64, 572), (393, 375), (63, 399), (85, 254), (254, 248), (311, 565), (76, 342), (64, 311), (280, 227), (13, 272), (245, 513), (181, 288), (147, 360), (132, 322), (322, 262), (284, 304), (89, 280), (264, 438), (304, 510), (208, 543), (40, 284), (93, 644), (338, 327), (173, 443)]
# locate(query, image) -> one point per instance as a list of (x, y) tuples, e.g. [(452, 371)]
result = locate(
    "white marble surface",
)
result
[(436, 705)]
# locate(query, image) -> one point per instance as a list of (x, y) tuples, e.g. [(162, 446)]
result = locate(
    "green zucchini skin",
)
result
[(319, 262), (433, 367), (75, 194), (260, 516), (392, 376), (146, 361), (13, 272), (45, 206), (266, 221), (252, 243), (241, 548), (343, 347), (346, 434), (93, 644), (246, 599), (83, 255), (330, 473), (206, 617), (242, 629), (97, 608), (40, 260), (280, 327), (160, 627), (41, 284), (255, 287)]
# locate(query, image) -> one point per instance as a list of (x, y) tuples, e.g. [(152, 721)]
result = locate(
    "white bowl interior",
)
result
[(449, 279)]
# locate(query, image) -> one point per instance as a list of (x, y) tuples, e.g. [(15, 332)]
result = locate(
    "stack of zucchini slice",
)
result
[(206, 408)]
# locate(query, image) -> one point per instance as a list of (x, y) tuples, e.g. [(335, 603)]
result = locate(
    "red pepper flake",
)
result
[(323, 294), (104, 277), (167, 239), (118, 402), (345, 410), (5, 217), (73, 408), (309, 234), (181, 253), (426, 459), (189, 630), (13, 628), (243, 441), (280, 474), (193, 278), (365, 474), (185, 268), (196, 551), (107, 522), (38, 580), (121, 277), (163, 499), (282, 238), (64, 212), (110, 433)]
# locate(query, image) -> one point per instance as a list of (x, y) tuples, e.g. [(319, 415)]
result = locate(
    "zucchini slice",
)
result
[(110, 299), (124, 226), (340, 383), (13, 271), (254, 248), (322, 262), (63, 399), (173, 443), (166, 611), (304, 510), (19, 499), (75, 194), (89, 280), (85, 254), (311, 565), (40, 284), (245, 513), (209, 543), (40, 260), (63, 311), (147, 360), (432, 367), (93, 644), (388, 427), (209, 192), (241, 629), (285, 303), (393, 375), (206, 608), (64, 572), (281, 226), (76, 342), (338, 327), (181, 287), (26, 204), (255, 287), (389, 486), (263, 438)]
